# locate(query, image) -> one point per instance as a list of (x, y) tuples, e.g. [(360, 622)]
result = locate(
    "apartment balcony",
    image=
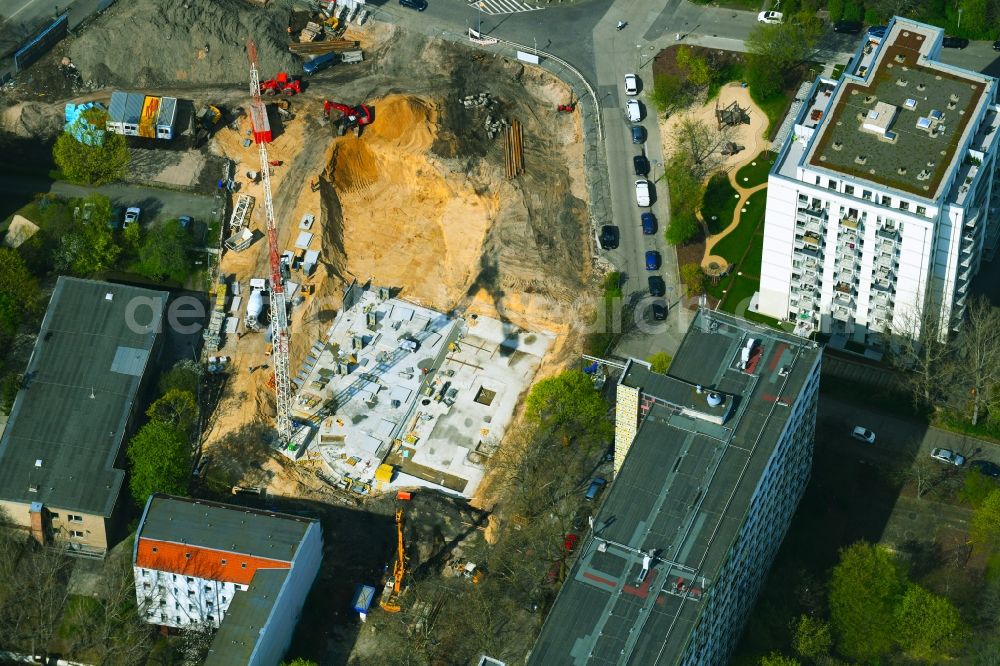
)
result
[(810, 212), (848, 275), (807, 251), (888, 233), (842, 314), (850, 222), (846, 288), (962, 287), (887, 246), (880, 284)]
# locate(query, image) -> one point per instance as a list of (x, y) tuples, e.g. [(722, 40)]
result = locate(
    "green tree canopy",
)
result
[(89, 247), (669, 92), (811, 639), (928, 627), (569, 403), (177, 408), (660, 362), (786, 43), (90, 164), (685, 198), (778, 659), (164, 252), (299, 662), (19, 291), (865, 588), (695, 66), (985, 525), (977, 487), (161, 461), (693, 279), (184, 376)]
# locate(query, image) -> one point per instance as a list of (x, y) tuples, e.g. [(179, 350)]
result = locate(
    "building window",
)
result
[(187, 556), (163, 602), (244, 565), (54, 515), (73, 518), (223, 563), (208, 588), (831, 184), (886, 201), (209, 603), (921, 210), (817, 180), (163, 617), (190, 579), (191, 608), (178, 618), (147, 586), (155, 549), (210, 618), (866, 194), (223, 600), (76, 534), (904, 205), (848, 189)]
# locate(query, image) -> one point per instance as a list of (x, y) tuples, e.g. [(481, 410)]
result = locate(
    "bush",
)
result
[(836, 9), (9, 386), (92, 165), (660, 362), (669, 92), (853, 10), (683, 227), (693, 279), (763, 77)]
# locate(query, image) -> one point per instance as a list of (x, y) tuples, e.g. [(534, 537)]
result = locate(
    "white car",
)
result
[(131, 216), (642, 192), (633, 111), (771, 18), (950, 457), (631, 84), (863, 435)]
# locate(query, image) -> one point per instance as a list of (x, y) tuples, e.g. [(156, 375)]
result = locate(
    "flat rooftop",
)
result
[(683, 492), (401, 384), (899, 121), (69, 418)]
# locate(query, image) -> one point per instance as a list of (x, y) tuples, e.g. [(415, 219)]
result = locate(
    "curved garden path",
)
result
[(721, 262)]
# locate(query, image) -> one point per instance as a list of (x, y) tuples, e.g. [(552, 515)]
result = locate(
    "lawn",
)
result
[(736, 243), (718, 204), (755, 172)]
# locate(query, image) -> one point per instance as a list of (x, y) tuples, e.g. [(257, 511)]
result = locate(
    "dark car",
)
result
[(996, 45), (609, 237), (185, 221), (877, 31), (595, 489), (641, 165), (986, 468), (954, 42), (648, 224), (652, 260), (657, 287), (850, 27), (638, 134), (419, 5), (659, 312)]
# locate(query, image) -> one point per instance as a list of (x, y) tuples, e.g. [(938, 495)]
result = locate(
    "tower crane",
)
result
[(279, 311)]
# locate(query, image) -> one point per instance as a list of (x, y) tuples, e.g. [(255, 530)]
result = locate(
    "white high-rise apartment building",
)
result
[(885, 199)]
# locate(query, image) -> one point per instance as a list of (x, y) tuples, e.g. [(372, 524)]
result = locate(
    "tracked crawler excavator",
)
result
[(394, 585), (351, 117)]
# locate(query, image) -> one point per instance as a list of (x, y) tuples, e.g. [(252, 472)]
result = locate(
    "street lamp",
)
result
[(638, 57)]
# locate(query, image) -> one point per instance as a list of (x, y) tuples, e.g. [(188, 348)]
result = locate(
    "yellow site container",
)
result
[(150, 111)]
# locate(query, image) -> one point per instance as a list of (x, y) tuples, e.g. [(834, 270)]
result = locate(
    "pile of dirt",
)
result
[(158, 42), (32, 120)]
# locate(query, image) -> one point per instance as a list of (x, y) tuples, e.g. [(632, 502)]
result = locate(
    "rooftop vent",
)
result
[(38, 462), (900, 57), (953, 97), (931, 164), (838, 145), (33, 488), (861, 159), (910, 103), (921, 86), (870, 99), (713, 399), (952, 105), (109, 296), (923, 123), (924, 174), (902, 83), (901, 171), (936, 115)]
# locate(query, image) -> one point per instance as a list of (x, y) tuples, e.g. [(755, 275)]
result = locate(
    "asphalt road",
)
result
[(156, 204), (23, 18)]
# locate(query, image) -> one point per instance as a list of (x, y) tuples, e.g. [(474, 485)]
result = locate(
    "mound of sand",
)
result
[(31, 119), (156, 42)]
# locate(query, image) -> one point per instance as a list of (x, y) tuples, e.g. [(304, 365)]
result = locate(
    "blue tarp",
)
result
[(83, 131), (364, 595)]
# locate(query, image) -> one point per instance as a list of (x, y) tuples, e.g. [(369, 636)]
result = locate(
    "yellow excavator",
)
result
[(394, 585)]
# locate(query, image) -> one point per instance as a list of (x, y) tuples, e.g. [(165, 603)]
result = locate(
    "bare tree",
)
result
[(701, 144), (979, 352), (921, 354), (35, 598)]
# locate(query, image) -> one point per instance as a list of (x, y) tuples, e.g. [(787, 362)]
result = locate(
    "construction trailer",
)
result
[(135, 114)]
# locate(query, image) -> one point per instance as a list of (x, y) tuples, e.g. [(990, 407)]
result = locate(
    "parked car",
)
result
[(631, 84), (657, 287), (641, 165), (996, 45), (950, 457), (986, 468), (638, 134), (877, 31), (186, 222), (652, 260), (659, 311), (132, 214), (633, 111), (648, 224), (595, 489), (608, 238), (771, 18), (419, 5), (863, 435), (642, 195), (850, 27), (954, 42)]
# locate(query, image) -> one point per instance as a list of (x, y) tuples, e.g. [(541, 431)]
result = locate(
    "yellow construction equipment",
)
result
[(393, 586), (332, 23)]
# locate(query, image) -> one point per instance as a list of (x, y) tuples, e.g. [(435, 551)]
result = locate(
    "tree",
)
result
[(164, 251), (132, 238), (984, 528), (184, 376), (979, 352), (570, 403), (91, 164), (299, 662), (786, 43), (701, 145), (778, 659), (19, 291), (89, 247), (693, 279), (34, 595), (660, 362), (695, 66), (9, 386), (928, 627), (811, 639), (669, 92), (764, 77), (160, 459), (923, 471), (177, 408), (922, 354), (977, 488), (685, 199), (865, 588)]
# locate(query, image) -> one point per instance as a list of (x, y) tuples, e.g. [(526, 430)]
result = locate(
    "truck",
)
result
[(321, 62), (255, 304)]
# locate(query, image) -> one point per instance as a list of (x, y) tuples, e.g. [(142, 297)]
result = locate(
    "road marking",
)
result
[(494, 7), (23, 7)]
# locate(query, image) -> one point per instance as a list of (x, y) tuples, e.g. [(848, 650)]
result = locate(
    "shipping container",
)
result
[(150, 112), (133, 114), (165, 121), (261, 125), (116, 112)]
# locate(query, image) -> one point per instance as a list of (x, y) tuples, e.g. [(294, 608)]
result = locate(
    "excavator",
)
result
[(394, 585), (282, 83), (351, 117)]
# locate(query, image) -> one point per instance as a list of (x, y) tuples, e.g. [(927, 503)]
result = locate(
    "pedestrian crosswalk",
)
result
[(494, 7)]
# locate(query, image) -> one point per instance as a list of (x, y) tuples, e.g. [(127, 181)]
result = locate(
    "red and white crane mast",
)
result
[(279, 311)]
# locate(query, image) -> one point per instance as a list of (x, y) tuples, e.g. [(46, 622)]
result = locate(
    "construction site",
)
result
[(406, 228)]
